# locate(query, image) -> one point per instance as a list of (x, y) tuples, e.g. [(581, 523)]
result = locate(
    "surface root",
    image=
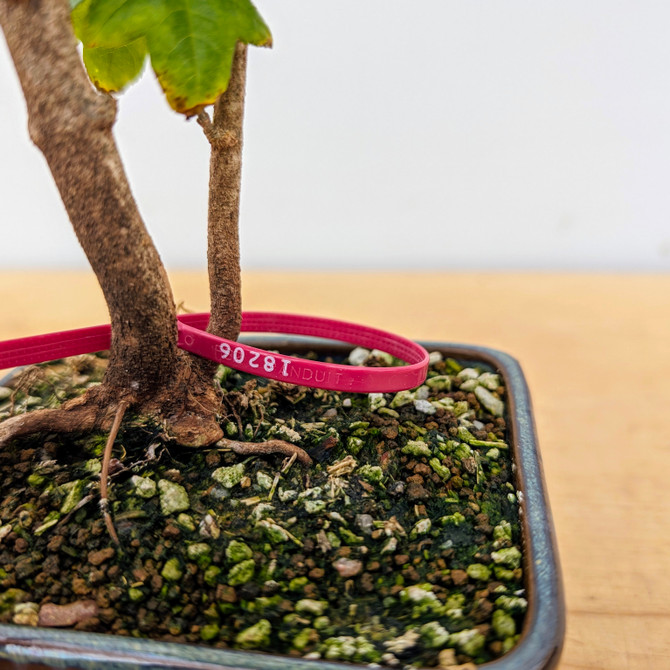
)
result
[(267, 447), (81, 414), (106, 458)]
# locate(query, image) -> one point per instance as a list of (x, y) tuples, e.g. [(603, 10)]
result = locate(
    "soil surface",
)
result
[(399, 545)]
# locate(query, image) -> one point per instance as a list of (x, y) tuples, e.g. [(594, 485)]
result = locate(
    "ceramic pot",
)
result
[(541, 637)]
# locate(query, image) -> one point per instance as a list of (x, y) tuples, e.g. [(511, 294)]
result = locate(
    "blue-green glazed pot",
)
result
[(541, 639)]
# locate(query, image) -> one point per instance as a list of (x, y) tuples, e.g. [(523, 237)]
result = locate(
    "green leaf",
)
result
[(111, 69), (190, 42), (112, 23), (79, 15)]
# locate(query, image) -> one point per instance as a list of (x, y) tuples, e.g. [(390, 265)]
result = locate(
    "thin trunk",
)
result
[(224, 133), (72, 125)]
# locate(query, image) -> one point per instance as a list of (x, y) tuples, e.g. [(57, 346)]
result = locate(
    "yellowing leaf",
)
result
[(190, 43), (111, 69)]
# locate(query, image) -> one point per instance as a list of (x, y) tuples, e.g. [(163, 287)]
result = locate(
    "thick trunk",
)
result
[(72, 125), (224, 133)]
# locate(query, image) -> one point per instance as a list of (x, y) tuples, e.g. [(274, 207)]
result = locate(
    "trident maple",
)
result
[(190, 43), (197, 48)]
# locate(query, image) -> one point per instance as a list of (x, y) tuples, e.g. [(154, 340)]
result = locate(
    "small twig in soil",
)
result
[(287, 464), (268, 447), (260, 421), (275, 482), (150, 457), (84, 501), (106, 458), (236, 416)]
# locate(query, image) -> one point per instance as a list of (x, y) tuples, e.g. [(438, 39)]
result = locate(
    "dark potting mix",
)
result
[(399, 545)]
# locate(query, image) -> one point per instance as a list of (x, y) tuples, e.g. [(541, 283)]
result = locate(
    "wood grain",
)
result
[(596, 352)]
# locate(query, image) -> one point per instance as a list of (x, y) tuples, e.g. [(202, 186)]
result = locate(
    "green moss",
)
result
[(50, 521), (274, 533), (371, 473), (417, 448), (479, 572), (144, 486), (455, 519), (278, 547), (74, 492), (230, 476), (298, 584), (510, 557), (11, 597), (349, 537), (256, 636), (442, 471), (173, 497), (422, 527), (311, 607), (209, 632), (264, 480), (469, 641), (198, 550), (314, 506), (512, 603), (186, 522), (503, 532), (35, 480), (241, 573), (238, 551), (211, 575), (305, 638), (321, 623), (401, 399), (503, 574), (354, 444), (439, 383), (172, 570), (433, 635), (136, 595), (349, 648), (503, 624)]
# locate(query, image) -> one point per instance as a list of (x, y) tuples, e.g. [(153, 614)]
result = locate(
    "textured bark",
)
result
[(72, 125), (224, 133), (82, 415)]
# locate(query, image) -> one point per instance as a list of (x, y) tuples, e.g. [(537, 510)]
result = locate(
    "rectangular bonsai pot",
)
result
[(541, 638)]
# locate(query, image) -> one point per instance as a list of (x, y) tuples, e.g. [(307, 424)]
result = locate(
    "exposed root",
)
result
[(81, 414), (187, 409), (106, 458), (267, 447)]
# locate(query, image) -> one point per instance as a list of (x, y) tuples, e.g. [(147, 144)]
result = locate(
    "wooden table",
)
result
[(596, 352)]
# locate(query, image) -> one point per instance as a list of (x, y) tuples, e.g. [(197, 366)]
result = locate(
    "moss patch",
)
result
[(401, 543)]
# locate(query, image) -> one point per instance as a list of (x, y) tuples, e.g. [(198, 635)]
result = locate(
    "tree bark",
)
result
[(72, 125), (224, 133)]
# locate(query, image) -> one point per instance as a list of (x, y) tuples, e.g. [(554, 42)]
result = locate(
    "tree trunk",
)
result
[(223, 245), (72, 125)]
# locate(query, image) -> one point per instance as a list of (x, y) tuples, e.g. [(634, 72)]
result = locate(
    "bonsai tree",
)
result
[(198, 51)]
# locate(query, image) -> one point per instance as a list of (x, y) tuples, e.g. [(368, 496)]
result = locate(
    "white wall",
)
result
[(396, 134)]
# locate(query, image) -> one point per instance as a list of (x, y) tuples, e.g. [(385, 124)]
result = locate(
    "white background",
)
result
[(390, 134)]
